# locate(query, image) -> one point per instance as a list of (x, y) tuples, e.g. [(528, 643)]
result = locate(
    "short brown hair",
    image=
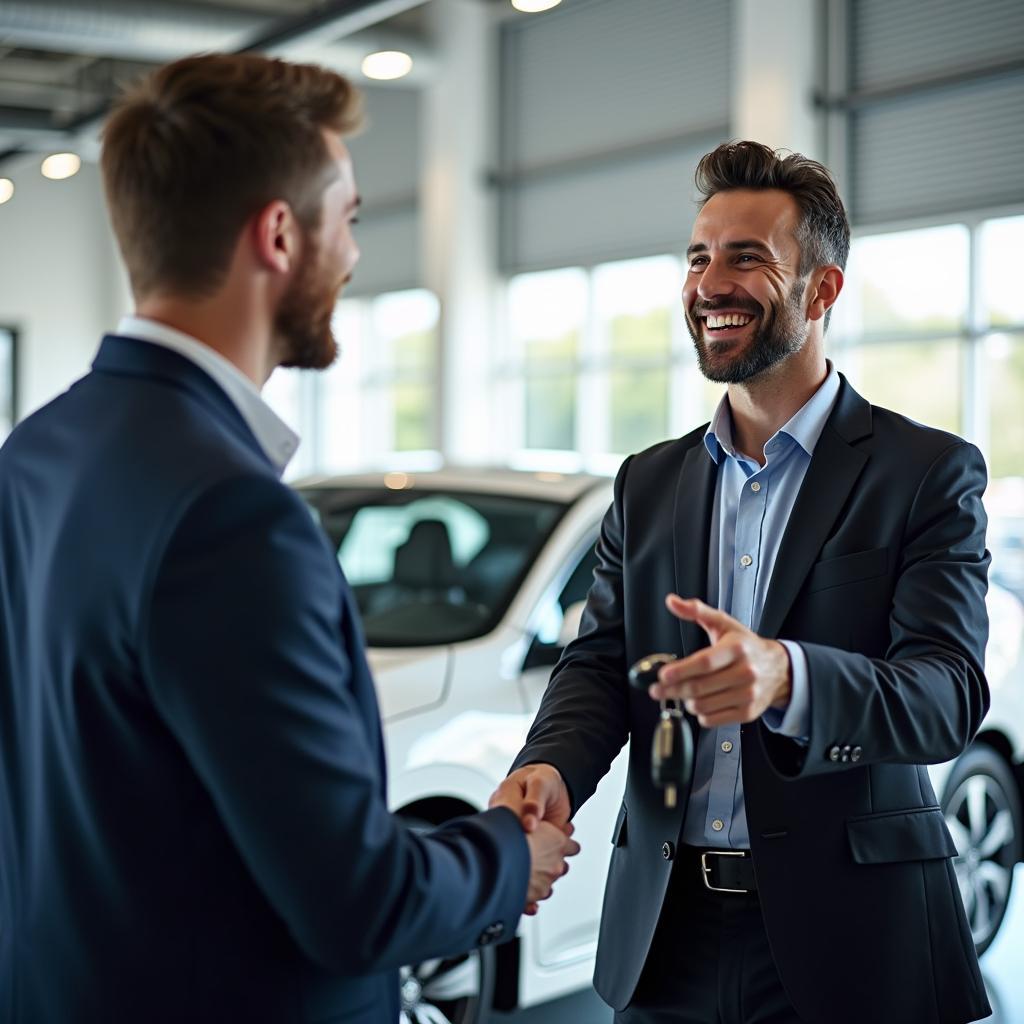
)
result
[(196, 148), (823, 232)]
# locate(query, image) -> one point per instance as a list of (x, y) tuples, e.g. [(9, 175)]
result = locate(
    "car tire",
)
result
[(982, 807), (455, 990)]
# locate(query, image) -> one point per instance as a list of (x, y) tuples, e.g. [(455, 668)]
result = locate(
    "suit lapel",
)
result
[(833, 470), (691, 534)]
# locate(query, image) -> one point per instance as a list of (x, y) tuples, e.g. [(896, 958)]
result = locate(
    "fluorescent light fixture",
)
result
[(6, 190), (534, 6), (387, 65), (61, 165)]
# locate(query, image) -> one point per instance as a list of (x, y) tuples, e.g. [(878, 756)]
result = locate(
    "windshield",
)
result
[(431, 567)]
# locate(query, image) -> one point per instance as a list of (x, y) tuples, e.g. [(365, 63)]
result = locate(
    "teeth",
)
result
[(728, 320)]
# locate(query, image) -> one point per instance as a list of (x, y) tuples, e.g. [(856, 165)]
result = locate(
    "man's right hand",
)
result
[(549, 848), (536, 793)]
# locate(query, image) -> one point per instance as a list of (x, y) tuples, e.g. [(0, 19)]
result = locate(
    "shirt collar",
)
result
[(804, 426), (274, 436)]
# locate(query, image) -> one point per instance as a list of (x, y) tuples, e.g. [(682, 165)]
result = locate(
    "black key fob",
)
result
[(645, 672)]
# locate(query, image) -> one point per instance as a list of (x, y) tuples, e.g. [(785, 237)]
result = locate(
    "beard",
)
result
[(782, 333), (302, 324)]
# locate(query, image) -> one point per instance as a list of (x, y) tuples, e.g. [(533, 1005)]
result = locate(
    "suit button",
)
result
[(833, 754), (668, 851), (845, 754), (491, 933), (855, 754)]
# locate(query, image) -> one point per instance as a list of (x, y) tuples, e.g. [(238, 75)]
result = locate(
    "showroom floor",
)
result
[(1002, 965)]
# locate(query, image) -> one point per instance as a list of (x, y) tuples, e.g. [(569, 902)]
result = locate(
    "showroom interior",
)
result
[(527, 200)]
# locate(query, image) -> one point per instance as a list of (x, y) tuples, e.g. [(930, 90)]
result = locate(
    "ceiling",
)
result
[(63, 61)]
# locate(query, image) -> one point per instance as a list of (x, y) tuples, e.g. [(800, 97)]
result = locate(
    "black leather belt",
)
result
[(730, 871)]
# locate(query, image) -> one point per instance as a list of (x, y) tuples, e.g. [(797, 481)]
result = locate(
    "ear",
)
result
[(276, 237), (826, 284)]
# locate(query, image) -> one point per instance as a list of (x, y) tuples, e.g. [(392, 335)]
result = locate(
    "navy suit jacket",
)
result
[(193, 820), (881, 578)]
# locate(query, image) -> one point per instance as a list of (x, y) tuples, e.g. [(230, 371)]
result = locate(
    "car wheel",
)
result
[(983, 813), (456, 990)]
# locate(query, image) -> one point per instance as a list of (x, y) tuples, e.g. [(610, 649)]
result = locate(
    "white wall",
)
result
[(61, 285)]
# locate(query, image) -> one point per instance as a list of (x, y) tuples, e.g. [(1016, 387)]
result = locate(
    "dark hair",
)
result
[(192, 151), (823, 231)]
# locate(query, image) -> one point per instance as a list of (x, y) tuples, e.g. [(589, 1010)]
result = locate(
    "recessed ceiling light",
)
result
[(387, 65), (6, 189), (61, 165), (534, 6)]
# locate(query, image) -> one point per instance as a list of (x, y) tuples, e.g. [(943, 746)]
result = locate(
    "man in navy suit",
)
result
[(193, 818)]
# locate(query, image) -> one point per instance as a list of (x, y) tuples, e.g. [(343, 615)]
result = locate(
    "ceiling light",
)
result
[(386, 65), (6, 190), (61, 165), (534, 6)]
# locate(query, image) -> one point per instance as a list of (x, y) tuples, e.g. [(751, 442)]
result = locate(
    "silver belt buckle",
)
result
[(705, 870)]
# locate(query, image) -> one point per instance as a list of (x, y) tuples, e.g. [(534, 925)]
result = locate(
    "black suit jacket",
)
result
[(193, 825), (881, 577)]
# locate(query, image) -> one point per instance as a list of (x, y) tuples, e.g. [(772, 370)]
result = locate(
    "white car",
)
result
[(469, 584)]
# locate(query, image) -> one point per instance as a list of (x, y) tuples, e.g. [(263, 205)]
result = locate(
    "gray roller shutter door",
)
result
[(606, 106), (387, 162), (942, 148)]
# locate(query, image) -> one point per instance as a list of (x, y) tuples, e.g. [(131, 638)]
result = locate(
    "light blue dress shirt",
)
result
[(752, 507)]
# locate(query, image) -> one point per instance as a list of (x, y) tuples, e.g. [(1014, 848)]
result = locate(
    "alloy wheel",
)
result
[(982, 815)]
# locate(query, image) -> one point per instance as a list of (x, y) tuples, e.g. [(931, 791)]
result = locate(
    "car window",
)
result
[(551, 614), (431, 568)]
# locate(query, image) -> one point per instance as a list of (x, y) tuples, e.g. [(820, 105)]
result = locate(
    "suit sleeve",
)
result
[(925, 700), (244, 656), (583, 720)]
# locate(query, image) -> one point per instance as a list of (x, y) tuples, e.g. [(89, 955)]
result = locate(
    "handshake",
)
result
[(538, 797)]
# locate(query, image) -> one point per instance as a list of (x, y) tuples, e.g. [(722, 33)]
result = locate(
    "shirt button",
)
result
[(746, 560), (727, 746), (755, 487), (718, 824)]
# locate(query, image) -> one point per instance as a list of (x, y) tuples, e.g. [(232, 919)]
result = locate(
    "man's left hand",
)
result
[(736, 679)]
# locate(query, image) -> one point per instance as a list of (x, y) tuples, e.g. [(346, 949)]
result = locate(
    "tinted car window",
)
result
[(431, 568)]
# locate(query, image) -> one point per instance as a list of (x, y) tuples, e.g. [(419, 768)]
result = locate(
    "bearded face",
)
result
[(303, 321), (770, 336)]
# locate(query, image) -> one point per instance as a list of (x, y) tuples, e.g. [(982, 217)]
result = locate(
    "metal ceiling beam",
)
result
[(161, 31)]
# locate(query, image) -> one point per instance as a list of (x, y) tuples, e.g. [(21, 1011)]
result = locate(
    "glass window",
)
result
[(339, 435), (404, 331), (1002, 297), (908, 281), (918, 379), (635, 301), (1004, 356), (547, 313), (431, 568)]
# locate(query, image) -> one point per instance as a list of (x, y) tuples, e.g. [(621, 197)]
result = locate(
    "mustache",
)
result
[(701, 308)]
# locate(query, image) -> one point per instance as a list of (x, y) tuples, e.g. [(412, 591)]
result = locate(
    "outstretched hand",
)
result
[(535, 793), (735, 679), (539, 798)]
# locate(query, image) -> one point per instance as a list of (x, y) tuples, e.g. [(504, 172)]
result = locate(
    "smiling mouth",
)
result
[(725, 325)]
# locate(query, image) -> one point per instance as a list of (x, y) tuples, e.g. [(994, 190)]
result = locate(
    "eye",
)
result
[(746, 257), (698, 262), (353, 220)]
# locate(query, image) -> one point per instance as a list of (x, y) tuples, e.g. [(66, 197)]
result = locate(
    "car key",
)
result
[(672, 749)]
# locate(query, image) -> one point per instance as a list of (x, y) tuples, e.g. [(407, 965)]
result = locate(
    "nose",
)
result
[(715, 281)]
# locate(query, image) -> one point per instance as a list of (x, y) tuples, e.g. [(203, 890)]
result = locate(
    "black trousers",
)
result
[(710, 962)]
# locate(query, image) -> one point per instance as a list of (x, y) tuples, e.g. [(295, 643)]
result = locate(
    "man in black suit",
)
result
[(831, 557), (193, 817)]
